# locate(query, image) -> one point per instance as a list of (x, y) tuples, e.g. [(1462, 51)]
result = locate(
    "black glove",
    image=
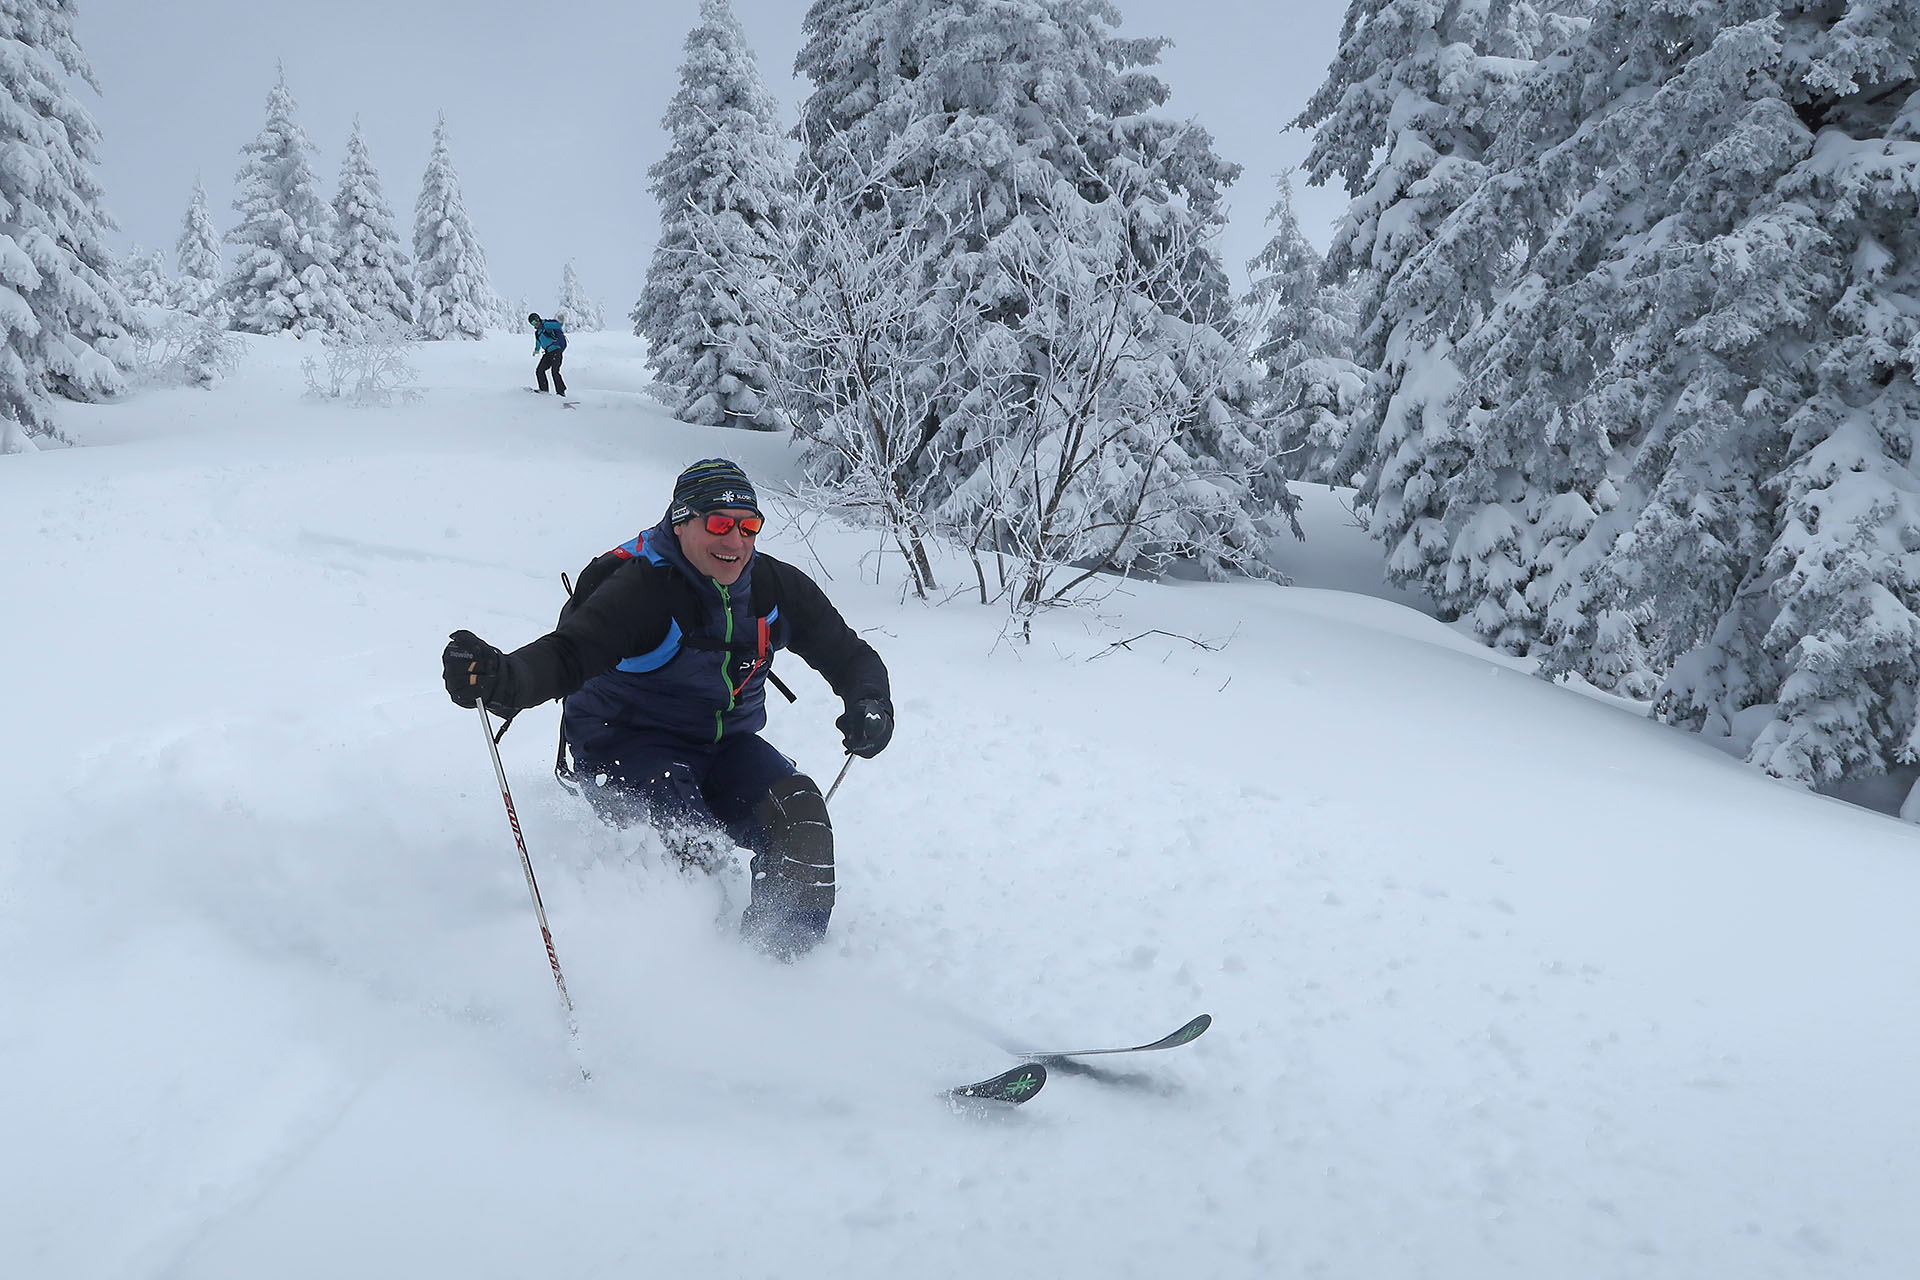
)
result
[(474, 670), (867, 726)]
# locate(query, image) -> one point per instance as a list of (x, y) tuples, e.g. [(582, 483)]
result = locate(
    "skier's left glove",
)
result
[(475, 671), (867, 727)]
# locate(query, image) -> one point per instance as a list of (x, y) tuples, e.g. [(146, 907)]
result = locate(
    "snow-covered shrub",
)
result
[(367, 364), (169, 348)]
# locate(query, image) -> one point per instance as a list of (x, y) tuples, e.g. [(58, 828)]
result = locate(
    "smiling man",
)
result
[(662, 655)]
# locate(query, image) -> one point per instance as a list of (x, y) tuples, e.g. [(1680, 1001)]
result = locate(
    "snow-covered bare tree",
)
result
[(989, 108), (196, 284), (577, 307), (851, 302), (1312, 387), (725, 192), (59, 308), (1087, 455), (1411, 104), (285, 277), (374, 268), (455, 299), (1092, 459)]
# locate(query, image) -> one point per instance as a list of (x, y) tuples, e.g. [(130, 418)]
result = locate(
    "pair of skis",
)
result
[(1017, 1085)]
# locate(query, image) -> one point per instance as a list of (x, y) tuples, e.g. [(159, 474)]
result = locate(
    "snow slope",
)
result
[(1509, 982)]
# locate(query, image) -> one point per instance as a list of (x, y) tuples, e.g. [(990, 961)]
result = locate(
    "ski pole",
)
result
[(842, 778), (533, 886)]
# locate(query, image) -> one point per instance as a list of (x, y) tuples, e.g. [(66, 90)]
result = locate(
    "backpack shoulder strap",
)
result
[(598, 570)]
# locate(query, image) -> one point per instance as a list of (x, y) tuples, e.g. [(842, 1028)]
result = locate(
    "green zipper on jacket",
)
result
[(726, 608)]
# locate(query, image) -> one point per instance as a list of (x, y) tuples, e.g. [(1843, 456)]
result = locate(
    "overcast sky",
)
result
[(555, 109)]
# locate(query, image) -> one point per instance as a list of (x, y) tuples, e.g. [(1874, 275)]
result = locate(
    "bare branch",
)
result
[(1128, 643)]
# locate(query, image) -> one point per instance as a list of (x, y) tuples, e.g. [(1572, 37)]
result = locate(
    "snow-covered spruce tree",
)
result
[(725, 193), (1410, 106), (988, 108), (142, 277), (1541, 421), (285, 277), (507, 318), (374, 268), (1172, 185), (59, 308), (196, 285), (1728, 198), (455, 298), (581, 313), (1312, 387)]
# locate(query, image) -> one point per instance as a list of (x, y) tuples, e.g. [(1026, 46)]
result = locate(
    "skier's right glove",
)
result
[(475, 671), (867, 727)]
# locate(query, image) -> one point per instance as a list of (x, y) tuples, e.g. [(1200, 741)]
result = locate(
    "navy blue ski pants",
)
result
[(691, 791), (711, 787)]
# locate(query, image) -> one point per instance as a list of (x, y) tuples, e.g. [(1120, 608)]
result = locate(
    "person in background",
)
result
[(550, 341)]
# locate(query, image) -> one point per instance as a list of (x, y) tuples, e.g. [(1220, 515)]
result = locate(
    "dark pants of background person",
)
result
[(691, 793), (550, 360)]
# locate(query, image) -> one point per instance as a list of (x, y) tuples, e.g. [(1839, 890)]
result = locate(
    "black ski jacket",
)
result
[(650, 651)]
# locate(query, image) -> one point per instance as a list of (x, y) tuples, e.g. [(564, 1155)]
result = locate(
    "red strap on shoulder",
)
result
[(758, 662)]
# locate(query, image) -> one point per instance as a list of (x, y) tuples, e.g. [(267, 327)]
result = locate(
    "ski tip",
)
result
[(1011, 1087), (1192, 1031)]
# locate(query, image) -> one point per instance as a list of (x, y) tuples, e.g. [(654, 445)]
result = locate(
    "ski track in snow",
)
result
[(1507, 981)]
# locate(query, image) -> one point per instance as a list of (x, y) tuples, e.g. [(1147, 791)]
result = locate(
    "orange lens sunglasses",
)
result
[(718, 524)]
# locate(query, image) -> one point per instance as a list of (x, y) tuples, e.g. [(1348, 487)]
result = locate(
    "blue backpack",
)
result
[(554, 334)]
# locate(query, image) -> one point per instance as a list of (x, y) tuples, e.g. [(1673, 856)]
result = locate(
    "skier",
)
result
[(662, 655), (550, 340)]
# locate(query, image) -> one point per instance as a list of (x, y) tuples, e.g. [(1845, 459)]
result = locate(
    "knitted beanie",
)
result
[(711, 483)]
